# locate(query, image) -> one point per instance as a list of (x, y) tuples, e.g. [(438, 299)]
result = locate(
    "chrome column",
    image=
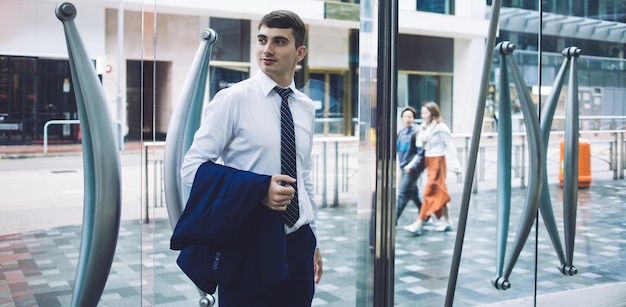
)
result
[(377, 131), (473, 151), (537, 164)]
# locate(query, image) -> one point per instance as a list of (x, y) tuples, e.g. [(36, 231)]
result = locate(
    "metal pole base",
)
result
[(501, 283), (568, 270), (207, 301)]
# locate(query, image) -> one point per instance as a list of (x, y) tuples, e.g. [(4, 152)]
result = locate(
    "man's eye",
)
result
[(262, 40), (281, 42)]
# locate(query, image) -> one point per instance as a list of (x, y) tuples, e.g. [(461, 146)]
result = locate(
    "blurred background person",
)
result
[(436, 140), (410, 162)]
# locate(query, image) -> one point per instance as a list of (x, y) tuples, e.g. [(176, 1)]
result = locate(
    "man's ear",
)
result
[(301, 52)]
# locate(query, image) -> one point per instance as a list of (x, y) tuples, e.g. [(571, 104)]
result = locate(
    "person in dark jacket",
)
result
[(409, 161), (262, 125)]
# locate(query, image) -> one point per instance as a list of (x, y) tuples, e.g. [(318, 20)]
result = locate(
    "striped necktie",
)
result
[(288, 153)]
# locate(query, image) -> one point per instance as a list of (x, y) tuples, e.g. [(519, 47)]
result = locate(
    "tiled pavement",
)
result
[(37, 268)]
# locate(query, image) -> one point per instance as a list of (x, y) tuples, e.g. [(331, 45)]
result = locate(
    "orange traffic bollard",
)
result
[(584, 163)]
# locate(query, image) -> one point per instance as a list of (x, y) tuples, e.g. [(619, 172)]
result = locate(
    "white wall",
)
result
[(178, 38), (31, 28), (468, 55), (328, 47), (468, 61)]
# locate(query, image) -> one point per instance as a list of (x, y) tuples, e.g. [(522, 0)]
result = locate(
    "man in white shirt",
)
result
[(241, 126)]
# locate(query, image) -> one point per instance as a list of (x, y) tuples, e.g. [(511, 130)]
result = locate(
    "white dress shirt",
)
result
[(241, 127)]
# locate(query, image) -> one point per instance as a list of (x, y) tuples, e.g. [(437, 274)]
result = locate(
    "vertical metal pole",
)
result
[(344, 172), (614, 156), (505, 136), (387, 77), (377, 127), (537, 160), (570, 171), (547, 116), (154, 179), (146, 218), (120, 105), (523, 162), (324, 182), (473, 153), (622, 155), (336, 188), (475, 182), (378, 41)]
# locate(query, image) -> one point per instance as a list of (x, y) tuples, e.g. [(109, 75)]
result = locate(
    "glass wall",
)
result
[(611, 10), (35, 91), (433, 6), (143, 57)]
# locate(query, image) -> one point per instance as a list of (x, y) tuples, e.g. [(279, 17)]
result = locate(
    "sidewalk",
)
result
[(24, 151), (37, 267)]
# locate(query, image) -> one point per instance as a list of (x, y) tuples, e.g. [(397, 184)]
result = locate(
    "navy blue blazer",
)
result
[(226, 235)]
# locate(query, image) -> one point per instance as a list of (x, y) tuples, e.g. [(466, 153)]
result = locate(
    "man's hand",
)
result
[(407, 169), (317, 265), (279, 193)]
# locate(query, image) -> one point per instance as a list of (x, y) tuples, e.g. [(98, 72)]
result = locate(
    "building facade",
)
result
[(158, 45), (440, 44)]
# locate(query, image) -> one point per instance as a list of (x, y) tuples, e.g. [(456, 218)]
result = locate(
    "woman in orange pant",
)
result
[(436, 139)]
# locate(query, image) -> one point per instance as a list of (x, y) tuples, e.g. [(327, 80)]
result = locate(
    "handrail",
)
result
[(74, 121), (184, 122), (53, 122), (102, 170)]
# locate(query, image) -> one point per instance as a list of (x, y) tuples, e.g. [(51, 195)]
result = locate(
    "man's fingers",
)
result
[(280, 192), (283, 178)]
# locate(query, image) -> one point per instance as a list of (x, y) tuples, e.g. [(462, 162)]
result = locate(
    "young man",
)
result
[(409, 162), (242, 127)]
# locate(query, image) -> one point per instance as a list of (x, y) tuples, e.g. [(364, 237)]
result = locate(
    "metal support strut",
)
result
[(537, 165), (184, 122), (102, 196)]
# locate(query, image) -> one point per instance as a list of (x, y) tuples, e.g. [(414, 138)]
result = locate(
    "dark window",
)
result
[(32, 92), (414, 49), (436, 6), (233, 40), (223, 77)]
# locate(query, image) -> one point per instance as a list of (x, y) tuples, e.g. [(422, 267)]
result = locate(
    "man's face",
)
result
[(277, 54), (407, 118)]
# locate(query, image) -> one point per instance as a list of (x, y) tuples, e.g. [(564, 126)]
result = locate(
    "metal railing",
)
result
[(335, 163), (55, 122), (608, 147), (340, 168), (157, 176), (118, 126)]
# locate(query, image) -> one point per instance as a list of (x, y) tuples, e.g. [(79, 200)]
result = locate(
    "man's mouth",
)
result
[(267, 61)]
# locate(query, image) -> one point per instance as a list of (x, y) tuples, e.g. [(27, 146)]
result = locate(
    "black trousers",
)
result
[(295, 291)]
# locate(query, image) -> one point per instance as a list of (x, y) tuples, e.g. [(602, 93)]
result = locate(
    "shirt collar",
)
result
[(267, 85)]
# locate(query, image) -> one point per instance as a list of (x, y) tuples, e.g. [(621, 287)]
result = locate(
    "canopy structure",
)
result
[(527, 21)]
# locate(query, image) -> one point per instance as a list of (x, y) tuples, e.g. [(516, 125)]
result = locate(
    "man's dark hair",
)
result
[(409, 108), (284, 19)]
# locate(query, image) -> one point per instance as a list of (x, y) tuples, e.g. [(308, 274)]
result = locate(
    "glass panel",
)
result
[(327, 92), (436, 6), (223, 77), (41, 234), (233, 43), (143, 77)]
